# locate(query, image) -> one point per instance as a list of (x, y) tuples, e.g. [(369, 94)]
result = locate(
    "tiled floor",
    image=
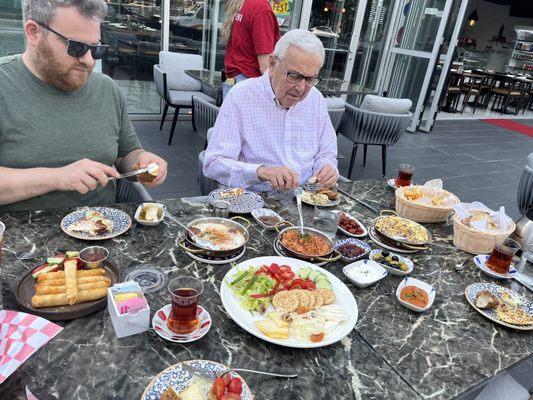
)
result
[(477, 161)]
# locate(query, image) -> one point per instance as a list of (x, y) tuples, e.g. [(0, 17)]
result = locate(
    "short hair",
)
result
[(43, 11), (304, 40)]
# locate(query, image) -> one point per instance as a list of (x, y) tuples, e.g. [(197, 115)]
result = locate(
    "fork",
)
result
[(23, 255), (213, 374)]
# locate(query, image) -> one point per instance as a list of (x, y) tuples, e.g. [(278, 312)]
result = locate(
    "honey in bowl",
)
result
[(415, 296)]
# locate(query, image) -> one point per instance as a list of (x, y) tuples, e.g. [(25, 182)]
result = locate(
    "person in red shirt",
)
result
[(250, 32)]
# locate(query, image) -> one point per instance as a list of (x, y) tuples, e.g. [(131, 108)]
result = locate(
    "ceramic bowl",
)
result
[(358, 243), (160, 214), (430, 290), (364, 273)]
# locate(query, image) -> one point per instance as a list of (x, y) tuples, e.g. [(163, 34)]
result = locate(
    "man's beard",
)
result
[(66, 79)]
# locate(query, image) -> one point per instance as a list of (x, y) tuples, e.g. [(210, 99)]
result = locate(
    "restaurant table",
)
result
[(393, 353), (212, 85)]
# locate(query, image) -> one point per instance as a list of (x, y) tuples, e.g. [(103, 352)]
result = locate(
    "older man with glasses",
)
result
[(63, 129), (274, 131)]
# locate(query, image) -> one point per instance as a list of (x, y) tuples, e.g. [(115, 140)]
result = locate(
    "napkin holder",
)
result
[(129, 323)]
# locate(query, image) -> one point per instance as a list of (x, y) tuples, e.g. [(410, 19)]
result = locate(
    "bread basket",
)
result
[(476, 242), (421, 212)]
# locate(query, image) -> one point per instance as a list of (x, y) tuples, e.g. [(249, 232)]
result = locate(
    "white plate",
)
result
[(375, 272), (393, 271), (159, 323), (343, 297), (216, 261), (265, 212), (365, 231), (481, 262), (160, 206), (430, 290), (374, 237), (332, 203), (179, 378)]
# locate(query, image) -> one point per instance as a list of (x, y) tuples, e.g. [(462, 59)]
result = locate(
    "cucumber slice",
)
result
[(54, 260), (72, 254), (323, 284), (313, 275), (304, 272), (319, 276)]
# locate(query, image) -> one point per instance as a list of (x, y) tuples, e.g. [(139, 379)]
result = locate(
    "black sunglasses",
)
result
[(77, 49)]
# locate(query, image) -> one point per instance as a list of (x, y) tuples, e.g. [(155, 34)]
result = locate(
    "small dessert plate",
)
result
[(159, 323), (160, 214), (266, 212), (364, 273), (393, 270), (481, 262), (392, 183), (362, 245), (430, 290)]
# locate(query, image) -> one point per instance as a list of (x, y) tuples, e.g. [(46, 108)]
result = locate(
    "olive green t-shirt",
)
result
[(41, 126)]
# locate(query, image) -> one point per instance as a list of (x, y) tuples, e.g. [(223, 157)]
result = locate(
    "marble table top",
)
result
[(392, 353)]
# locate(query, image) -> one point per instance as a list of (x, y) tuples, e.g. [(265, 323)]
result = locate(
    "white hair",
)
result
[(302, 39)]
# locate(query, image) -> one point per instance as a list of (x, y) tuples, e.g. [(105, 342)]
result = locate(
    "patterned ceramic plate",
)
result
[(243, 204), (177, 377), (472, 290), (481, 262), (332, 203), (358, 243), (159, 323), (121, 222)]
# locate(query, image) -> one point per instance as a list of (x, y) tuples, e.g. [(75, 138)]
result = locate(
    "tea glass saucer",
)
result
[(159, 323), (481, 262)]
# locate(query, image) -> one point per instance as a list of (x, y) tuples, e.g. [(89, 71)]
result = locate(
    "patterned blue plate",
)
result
[(178, 378), (121, 222), (481, 262), (243, 204), (472, 291)]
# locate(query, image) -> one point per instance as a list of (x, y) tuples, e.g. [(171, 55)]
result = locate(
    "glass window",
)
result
[(11, 28), (407, 77), (132, 29)]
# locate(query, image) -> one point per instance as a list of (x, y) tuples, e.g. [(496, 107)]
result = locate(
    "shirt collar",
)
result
[(270, 92)]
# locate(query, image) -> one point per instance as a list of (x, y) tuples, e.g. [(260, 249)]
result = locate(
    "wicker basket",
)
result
[(476, 242), (421, 212)]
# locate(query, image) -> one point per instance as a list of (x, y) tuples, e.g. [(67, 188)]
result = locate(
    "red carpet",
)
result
[(511, 125)]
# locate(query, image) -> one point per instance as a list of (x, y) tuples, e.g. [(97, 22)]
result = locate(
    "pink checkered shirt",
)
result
[(253, 130)]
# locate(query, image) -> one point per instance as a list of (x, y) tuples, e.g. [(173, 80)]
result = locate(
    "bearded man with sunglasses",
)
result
[(63, 129), (274, 131)]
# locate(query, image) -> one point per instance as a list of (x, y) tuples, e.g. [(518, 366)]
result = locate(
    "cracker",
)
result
[(319, 299), (285, 301), (328, 295), (312, 300), (303, 297)]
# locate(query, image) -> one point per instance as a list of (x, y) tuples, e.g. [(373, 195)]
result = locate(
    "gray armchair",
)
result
[(174, 86), (207, 185), (131, 192), (204, 115), (372, 128), (336, 107)]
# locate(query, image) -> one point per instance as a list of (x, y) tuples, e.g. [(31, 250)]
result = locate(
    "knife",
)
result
[(359, 201), (128, 174)]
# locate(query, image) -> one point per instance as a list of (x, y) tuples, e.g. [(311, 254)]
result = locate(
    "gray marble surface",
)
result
[(393, 353)]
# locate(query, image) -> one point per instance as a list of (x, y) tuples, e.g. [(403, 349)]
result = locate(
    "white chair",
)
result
[(174, 86)]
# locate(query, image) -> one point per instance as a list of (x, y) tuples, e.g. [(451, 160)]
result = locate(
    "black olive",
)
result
[(394, 258), (385, 253)]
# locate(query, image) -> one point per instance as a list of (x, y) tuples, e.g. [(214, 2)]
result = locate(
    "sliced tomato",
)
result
[(274, 268), (231, 396), (235, 386), (219, 388), (297, 281), (308, 285), (227, 379), (259, 295)]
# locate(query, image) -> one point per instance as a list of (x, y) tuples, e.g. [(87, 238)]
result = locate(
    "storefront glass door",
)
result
[(417, 37)]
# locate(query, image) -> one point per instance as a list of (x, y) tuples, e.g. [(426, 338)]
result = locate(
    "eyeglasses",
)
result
[(77, 49), (294, 77)]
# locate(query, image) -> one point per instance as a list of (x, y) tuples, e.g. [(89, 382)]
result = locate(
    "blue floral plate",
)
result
[(500, 292), (243, 204), (177, 377), (121, 223)]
